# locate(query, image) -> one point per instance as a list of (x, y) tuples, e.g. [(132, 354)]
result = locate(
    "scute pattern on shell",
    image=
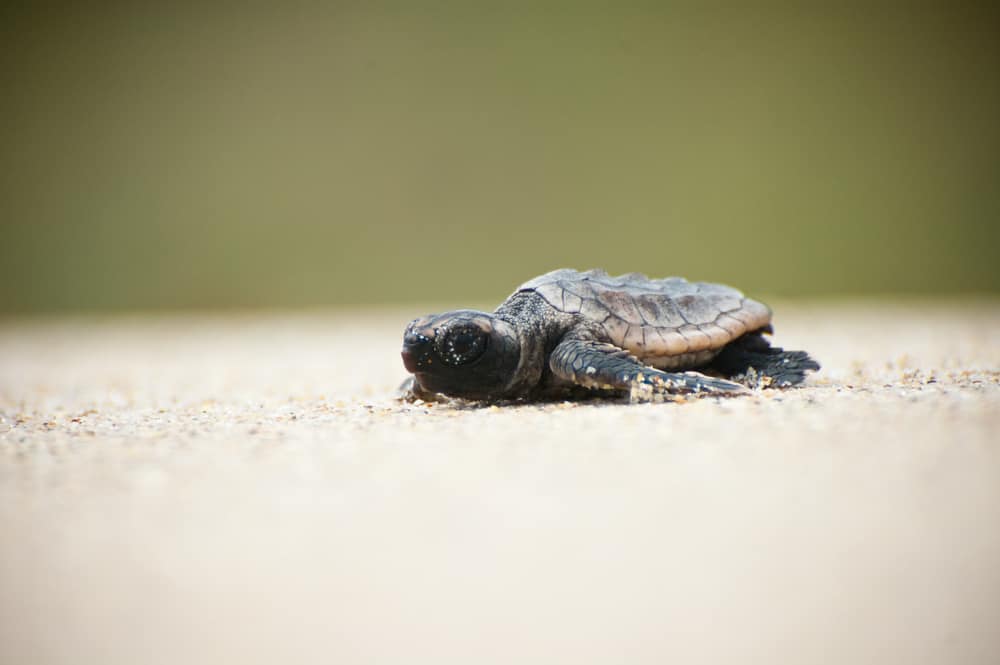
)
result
[(657, 320)]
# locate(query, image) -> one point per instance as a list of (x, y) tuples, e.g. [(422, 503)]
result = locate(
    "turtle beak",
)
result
[(416, 348), (409, 359)]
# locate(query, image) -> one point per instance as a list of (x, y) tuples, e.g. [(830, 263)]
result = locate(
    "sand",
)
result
[(245, 489)]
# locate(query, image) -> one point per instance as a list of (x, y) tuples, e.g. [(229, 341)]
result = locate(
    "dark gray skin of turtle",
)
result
[(568, 335)]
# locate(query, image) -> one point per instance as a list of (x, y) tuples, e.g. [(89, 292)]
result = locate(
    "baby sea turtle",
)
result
[(568, 334)]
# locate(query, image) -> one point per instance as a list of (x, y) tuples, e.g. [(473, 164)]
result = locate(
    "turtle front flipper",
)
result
[(602, 366), (411, 391)]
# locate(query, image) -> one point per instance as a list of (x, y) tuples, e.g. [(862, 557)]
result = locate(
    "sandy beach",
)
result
[(245, 488)]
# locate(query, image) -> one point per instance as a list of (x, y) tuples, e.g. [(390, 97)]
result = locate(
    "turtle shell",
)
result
[(665, 322)]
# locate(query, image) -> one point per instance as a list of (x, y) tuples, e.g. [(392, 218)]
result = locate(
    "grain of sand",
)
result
[(244, 489)]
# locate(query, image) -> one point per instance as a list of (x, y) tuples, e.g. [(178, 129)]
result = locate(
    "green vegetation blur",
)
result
[(174, 155)]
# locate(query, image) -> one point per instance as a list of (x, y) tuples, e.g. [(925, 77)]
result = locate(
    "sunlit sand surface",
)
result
[(245, 489)]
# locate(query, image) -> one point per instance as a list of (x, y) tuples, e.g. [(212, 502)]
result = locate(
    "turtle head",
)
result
[(462, 354)]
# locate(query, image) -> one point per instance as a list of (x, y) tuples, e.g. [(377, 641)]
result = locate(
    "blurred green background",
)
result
[(288, 154)]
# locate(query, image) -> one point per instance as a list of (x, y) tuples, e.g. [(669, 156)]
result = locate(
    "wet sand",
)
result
[(211, 489)]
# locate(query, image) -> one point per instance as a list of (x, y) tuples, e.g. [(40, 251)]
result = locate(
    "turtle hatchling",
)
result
[(570, 334)]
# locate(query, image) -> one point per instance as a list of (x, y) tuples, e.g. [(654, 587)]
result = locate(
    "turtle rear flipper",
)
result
[(602, 366), (752, 354)]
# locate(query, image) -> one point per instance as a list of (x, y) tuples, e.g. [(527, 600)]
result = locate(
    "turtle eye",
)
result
[(462, 345)]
